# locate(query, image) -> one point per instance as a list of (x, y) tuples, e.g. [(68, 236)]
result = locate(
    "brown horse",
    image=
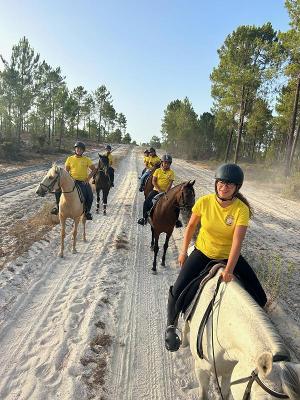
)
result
[(149, 184), (165, 214), (102, 182), (70, 205)]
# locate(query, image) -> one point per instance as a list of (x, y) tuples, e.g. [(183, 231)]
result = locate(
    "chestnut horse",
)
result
[(149, 184), (165, 214), (102, 182), (70, 205)]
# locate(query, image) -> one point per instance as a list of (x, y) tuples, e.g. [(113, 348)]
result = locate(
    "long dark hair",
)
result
[(244, 200)]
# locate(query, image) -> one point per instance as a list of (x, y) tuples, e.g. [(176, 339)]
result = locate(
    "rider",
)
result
[(110, 170), (224, 217), (146, 155), (162, 179), (152, 160), (77, 165)]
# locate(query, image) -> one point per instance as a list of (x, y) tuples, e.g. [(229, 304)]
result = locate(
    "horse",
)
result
[(239, 347), (102, 182), (70, 205), (165, 214), (149, 185)]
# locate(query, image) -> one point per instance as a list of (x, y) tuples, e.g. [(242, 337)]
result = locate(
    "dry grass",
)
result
[(28, 231)]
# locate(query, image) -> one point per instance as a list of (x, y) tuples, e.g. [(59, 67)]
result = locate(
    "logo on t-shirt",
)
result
[(229, 220)]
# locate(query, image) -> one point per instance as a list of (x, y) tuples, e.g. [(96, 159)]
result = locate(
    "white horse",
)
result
[(245, 352), (70, 205)]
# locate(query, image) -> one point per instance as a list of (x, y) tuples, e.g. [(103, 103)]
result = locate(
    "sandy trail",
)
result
[(67, 323)]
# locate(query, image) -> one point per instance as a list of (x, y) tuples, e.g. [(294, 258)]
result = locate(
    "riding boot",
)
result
[(55, 209), (172, 334)]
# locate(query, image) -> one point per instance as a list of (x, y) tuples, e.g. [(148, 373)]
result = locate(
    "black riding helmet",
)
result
[(152, 150), (167, 158), (108, 147), (146, 151), (81, 145), (230, 173)]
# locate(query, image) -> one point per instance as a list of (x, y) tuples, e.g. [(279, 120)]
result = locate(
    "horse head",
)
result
[(269, 380), (103, 162), (186, 195), (50, 182)]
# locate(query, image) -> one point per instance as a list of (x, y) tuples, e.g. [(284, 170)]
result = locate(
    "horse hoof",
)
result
[(154, 272), (152, 248), (97, 211), (163, 264), (74, 251), (60, 255)]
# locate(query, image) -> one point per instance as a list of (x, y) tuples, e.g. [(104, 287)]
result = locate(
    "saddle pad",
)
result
[(210, 274)]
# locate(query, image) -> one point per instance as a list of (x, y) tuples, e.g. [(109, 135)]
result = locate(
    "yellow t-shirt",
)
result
[(78, 167), (152, 160), (164, 178), (146, 161), (110, 159), (217, 225)]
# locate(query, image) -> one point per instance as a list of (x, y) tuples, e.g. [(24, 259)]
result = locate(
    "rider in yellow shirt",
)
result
[(223, 217), (78, 167), (146, 156), (152, 160), (110, 170), (162, 179)]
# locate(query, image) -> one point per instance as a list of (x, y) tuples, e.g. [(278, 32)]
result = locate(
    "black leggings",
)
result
[(196, 263)]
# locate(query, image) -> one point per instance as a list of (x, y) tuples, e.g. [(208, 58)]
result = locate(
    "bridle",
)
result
[(254, 377), (254, 374), (50, 187), (183, 204)]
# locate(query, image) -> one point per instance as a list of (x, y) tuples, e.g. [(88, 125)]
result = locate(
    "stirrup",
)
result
[(54, 211), (172, 338), (89, 216), (142, 221)]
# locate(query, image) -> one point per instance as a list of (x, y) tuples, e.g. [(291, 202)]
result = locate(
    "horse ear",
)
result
[(264, 363), (192, 183), (99, 155)]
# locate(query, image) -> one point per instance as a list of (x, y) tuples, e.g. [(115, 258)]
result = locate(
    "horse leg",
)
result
[(152, 239), (166, 245), (75, 235), (62, 236), (105, 193), (83, 226), (98, 200), (184, 335), (156, 248), (203, 379)]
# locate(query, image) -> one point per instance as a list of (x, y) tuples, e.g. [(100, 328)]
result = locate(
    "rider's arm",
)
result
[(188, 234), (91, 174), (237, 241)]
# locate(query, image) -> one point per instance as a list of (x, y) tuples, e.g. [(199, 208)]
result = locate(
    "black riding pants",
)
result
[(111, 174), (148, 202), (87, 194), (196, 263)]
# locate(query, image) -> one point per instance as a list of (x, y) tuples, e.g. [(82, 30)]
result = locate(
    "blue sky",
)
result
[(147, 53)]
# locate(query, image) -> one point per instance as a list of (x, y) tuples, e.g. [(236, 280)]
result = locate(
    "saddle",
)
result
[(155, 201)]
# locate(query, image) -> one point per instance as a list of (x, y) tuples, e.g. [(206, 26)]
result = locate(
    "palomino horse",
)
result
[(70, 205), (165, 214), (149, 184), (102, 182), (239, 347)]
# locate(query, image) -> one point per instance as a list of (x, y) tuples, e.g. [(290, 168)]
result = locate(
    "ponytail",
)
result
[(245, 201)]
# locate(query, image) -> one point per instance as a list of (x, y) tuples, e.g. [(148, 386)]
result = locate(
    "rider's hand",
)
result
[(227, 276), (181, 258)]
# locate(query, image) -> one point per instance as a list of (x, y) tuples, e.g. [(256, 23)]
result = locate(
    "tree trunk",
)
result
[(240, 126), (228, 145), (294, 148), (288, 154)]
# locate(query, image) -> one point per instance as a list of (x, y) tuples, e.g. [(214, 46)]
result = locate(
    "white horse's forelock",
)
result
[(290, 381)]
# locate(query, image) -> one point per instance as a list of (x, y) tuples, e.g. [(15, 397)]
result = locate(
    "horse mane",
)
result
[(290, 381), (258, 317)]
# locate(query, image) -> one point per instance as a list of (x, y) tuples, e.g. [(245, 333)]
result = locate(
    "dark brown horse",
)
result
[(149, 185), (165, 214), (102, 182)]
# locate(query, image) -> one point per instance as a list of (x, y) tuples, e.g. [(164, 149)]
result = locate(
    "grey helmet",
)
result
[(81, 145), (230, 173), (167, 158), (108, 147)]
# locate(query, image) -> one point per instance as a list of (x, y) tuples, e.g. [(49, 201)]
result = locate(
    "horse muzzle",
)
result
[(40, 192)]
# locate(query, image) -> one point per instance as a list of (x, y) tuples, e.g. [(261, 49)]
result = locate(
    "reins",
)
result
[(52, 184)]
